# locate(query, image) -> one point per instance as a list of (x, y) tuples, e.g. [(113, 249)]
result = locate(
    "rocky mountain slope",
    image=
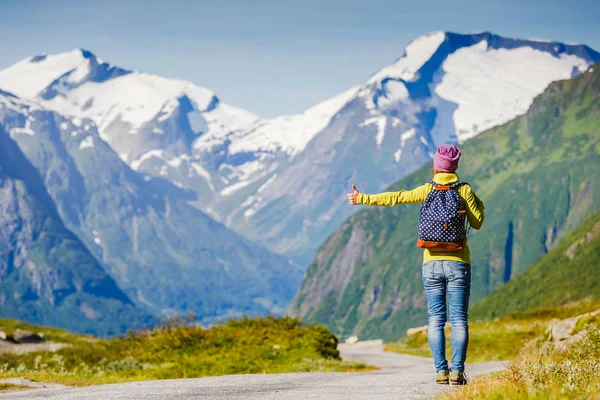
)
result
[(537, 177), (47, 275), (165, 254), (281, 181)]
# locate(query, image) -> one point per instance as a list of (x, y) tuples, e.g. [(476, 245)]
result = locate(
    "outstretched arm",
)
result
[(475, 212), (389, 199)]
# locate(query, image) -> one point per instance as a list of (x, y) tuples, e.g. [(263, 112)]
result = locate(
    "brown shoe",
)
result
[(442, 378), (458, 378)]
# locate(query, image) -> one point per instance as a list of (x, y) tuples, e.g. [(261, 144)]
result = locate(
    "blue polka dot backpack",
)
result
[(442, 224)]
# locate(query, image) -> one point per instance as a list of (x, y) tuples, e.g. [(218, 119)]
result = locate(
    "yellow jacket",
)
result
[(472, 203)]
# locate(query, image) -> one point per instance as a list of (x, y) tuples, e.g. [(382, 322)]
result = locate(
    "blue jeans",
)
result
[(453, 277)]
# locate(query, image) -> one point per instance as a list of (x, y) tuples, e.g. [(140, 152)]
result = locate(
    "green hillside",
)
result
[(567, 273), (537, 175)]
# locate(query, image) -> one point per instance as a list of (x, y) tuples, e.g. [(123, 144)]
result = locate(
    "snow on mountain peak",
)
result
[(388, 85), (416, 53), (289, 134), (135, 99), (77, 83), (11, 102), (474, 81), (490, 86), (28, 77)]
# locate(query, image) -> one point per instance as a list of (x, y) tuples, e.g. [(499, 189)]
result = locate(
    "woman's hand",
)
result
[(353, 197)]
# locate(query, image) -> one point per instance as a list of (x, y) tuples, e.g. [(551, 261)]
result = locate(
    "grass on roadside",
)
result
[(543, 372), (497, 340), (180, 349), (488, 341)]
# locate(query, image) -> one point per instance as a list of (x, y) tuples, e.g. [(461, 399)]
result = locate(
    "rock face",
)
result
[(592, 235), (563, 333), (168, 256), (351, 340), (23, 336), (422, 329), (536, 175), (281, 181)]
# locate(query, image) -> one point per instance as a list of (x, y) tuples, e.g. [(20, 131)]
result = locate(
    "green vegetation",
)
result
[(180, 349), (582, 322), (537, 175), (487, 341), (543, 372), (501, 339), (567, 273)]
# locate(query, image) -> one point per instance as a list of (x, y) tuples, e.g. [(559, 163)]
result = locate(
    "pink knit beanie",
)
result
[(446, 158)]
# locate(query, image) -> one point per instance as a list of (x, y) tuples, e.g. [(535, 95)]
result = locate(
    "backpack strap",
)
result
[(437, 186), (452, 185)]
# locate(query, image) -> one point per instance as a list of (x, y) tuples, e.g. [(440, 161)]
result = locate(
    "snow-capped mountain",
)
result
[(166, 255), (446, 88), (282, 181), (150, 121)]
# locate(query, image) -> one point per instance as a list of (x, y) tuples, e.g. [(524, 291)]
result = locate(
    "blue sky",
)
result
[(273, 57)]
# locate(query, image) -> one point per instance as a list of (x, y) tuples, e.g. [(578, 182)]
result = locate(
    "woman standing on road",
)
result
[(447, 203)]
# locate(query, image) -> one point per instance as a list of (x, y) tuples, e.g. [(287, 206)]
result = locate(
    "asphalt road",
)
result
[(400, 377)]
